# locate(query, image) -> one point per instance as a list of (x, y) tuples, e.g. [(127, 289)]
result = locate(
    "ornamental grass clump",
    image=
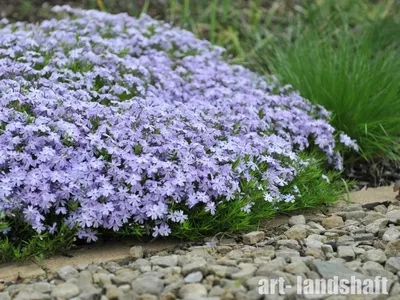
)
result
[(113, 123)]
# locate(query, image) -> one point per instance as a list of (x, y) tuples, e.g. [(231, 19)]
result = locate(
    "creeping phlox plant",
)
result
[(107, 120)]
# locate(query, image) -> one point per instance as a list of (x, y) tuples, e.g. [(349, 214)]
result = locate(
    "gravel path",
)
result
[(353, 240)]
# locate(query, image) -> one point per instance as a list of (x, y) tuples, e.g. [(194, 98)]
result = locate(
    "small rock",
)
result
[(380, 209), (195, 277), (254, 237), (316, 226), (327, 249), (297, 267), (297, 220), (393, 216), (311, 243), (393, 264), (216, 291), (192, 290), (391, 234), (67, 272), (291, 244), (355, 215), (296, 232), (287, 254), (276, 264), (332, 222), (376, 255), (377, 225), (316, 253), (371, 217), (65, 291), (234, 254), (136, 252), (146, 297), (42, 287), (247, 271), (32, 295), (329, 270), (353, 207), (346, 252), (148, 285), (200, 266), (5, 296), (361, 237), (167, 296), (165, 261), (392, 248), (113, 293)]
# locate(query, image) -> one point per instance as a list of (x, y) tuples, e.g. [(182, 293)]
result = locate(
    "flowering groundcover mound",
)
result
[(113, 123)]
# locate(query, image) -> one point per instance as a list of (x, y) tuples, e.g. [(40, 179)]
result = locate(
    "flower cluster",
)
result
[(107, 119)]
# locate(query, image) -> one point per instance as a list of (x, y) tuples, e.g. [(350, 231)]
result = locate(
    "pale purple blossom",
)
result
[(124, 122)]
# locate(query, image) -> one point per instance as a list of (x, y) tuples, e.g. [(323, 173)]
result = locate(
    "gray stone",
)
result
[(247, 270), (200, 266), (313, 243), (125, 277), (195, 277), (216, 291), (292, 244), (165, 261), (332, 222), (353, 207), (315, 252), (355, 215), (148, 285), (391, 234), (392, 248), (377, 225), (328, 270), (65, 291), (218, 270), (276, 264), (253, 282), (376, 255), (254, 237), (393, 264), (353, 265), (326, 248), (32, 295), (136, 252), (393, 216), (317, 226), (114, 293), (380, 209), (234, 254), (67, 272), (287, 254), (358, 251), (346, 252), (297, 267), (262, 260), (147, 297), (297, 220), (296, 232), (42, 287), (361, 237), (192, 289), (5, 296), (372, 268), (372, 217)]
